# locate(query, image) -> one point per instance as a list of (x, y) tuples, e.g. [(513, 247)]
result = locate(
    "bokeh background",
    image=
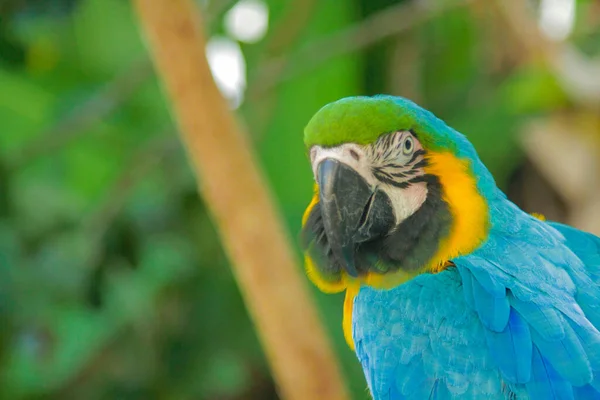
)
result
[(113, 283)]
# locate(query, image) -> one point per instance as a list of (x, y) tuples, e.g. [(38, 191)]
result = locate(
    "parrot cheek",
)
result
[(406, 202)]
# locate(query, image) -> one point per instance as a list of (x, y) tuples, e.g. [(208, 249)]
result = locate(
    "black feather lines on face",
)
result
[(386, 169)]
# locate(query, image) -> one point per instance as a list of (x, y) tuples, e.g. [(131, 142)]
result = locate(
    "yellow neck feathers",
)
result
[(469, 209)]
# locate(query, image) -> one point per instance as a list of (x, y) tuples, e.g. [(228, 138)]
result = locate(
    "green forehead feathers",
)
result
[(363, 119)]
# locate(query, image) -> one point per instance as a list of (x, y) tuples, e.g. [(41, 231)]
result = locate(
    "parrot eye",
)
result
[(408, 146)]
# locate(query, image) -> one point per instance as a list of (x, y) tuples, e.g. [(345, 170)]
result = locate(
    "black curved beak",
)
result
[(353, 212)]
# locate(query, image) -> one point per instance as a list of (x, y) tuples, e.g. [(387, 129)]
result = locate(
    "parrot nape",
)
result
[(452, 291)]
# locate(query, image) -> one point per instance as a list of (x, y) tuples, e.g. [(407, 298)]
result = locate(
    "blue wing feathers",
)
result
[(587, 248), (545, 382), (589, 337), (489, 282), (544, 319), (590, 305), (586, 392), (492, 310), (567, 357), (511, 349)]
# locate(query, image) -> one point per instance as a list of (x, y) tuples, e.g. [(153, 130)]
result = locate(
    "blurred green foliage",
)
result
[(113, 283)]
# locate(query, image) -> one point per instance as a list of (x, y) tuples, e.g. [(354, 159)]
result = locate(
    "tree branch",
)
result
[(241, 206)]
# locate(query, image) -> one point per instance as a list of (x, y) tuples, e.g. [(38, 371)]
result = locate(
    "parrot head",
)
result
[(397, 192)]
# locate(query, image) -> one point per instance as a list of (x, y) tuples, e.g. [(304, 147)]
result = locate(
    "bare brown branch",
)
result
[(241, 206)]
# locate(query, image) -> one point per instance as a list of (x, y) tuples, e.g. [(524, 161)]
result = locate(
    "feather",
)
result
[(411, 381), (589, 337), (511, 349), (545, 382), (586, 392), (493, 311), (543, 318), (566, 356), (590, 305), (488, 281), (457, 383)]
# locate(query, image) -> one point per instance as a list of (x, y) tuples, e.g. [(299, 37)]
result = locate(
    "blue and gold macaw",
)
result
[(452, 291)]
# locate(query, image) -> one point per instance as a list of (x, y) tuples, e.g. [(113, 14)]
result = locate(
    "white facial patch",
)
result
[(364, 159), (350, 154)]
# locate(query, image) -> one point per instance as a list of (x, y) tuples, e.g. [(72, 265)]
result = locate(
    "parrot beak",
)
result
[(353, 212)]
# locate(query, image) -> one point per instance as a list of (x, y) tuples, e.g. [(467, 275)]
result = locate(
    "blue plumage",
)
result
[(517, 318)]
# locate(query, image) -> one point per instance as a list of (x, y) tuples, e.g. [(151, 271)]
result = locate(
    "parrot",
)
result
[(451, 290)]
